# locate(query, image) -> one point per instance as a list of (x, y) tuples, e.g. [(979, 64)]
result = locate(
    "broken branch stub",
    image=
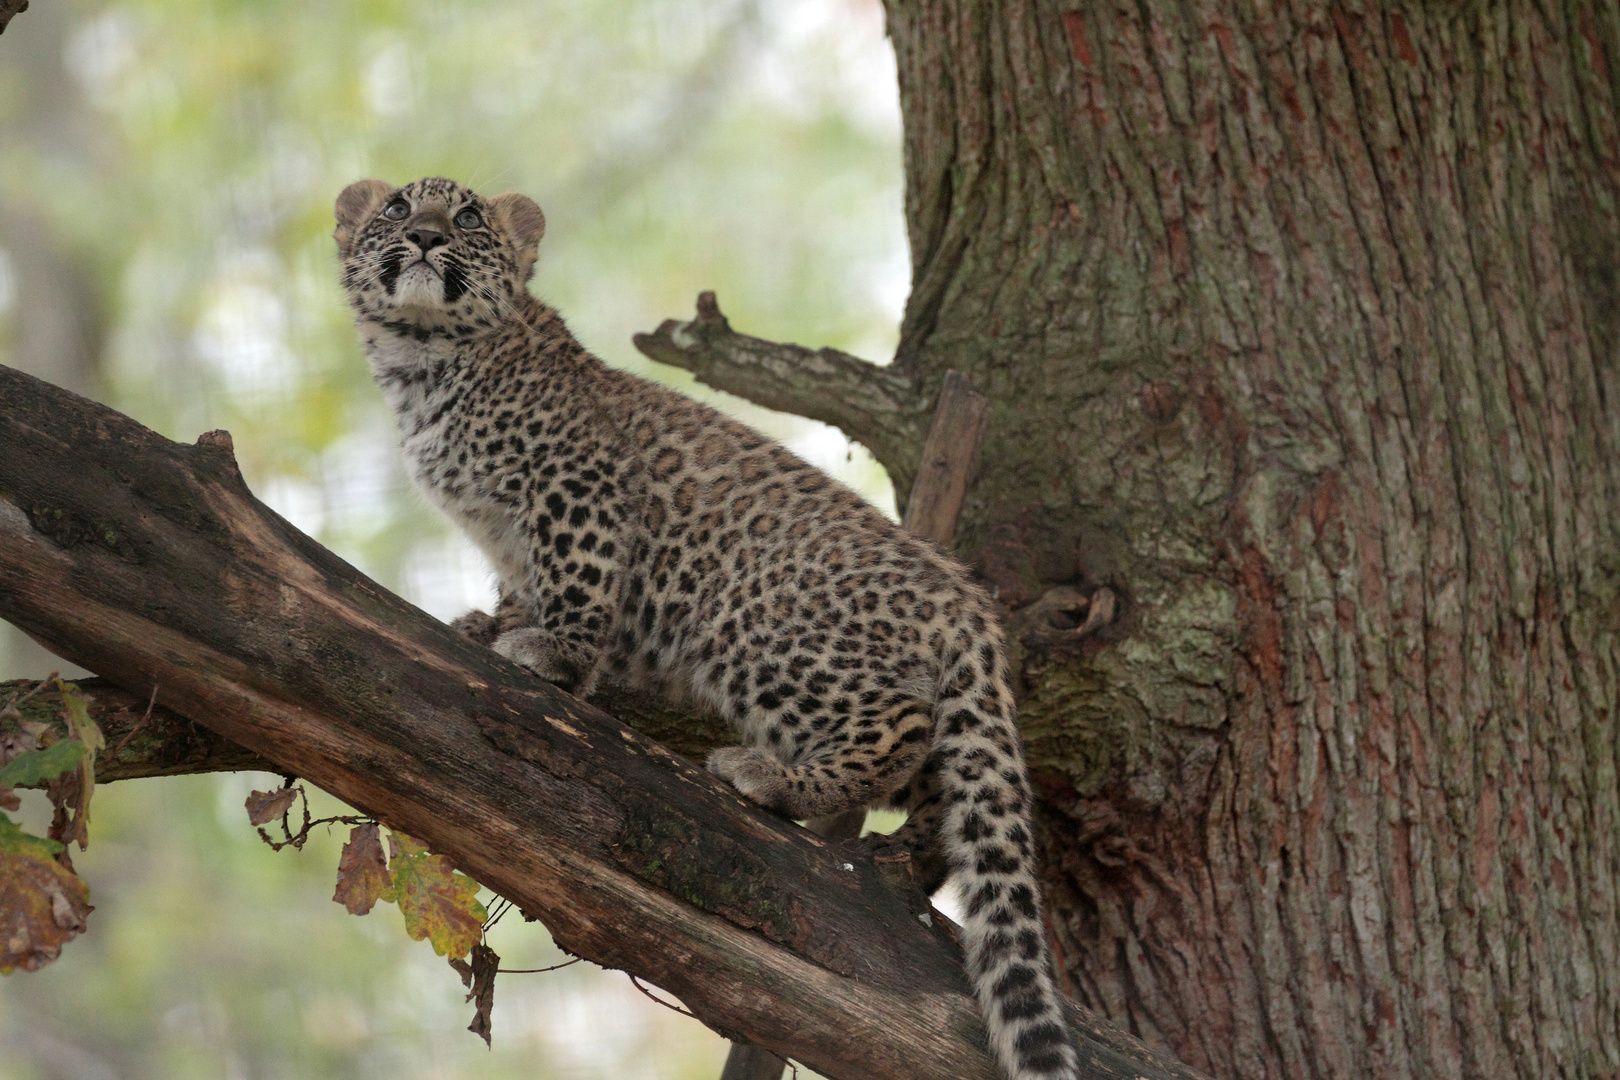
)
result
[(878, 407)]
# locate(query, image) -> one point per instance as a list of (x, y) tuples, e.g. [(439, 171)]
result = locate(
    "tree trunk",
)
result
[(1302, 323)]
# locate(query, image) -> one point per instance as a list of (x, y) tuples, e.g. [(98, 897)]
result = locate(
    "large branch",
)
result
[(9, 9), (144, 737), (876, 406), (151, 563)]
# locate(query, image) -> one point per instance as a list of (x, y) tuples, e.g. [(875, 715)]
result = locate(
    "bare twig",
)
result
[(14, 706), (541, 971), (960, 419), (502, 906), (145, 719), (655, 997)]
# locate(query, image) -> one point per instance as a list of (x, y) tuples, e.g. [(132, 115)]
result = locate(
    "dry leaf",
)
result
[(264, 807), (485, 964), (43, 905), (363, 876), (86, 731)]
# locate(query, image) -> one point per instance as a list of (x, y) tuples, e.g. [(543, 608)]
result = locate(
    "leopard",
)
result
[(642, 537)]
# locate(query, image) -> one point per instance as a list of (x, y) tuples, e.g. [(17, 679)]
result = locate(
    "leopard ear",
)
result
[(521, 221), (355, 205)]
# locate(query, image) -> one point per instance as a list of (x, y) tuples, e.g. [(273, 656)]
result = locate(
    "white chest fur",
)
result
[(419, 381)]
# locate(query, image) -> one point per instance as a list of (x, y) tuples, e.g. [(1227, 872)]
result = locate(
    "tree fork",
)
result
[(150, 562)]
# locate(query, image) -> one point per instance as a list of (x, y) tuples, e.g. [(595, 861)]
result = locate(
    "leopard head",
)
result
[(434, 256)]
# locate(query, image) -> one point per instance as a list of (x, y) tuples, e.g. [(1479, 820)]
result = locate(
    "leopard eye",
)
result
[(396, 210), (469, 219)]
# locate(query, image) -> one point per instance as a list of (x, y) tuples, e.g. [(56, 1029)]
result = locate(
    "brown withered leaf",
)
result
[(363, 877), (43, 905), (63, 793), (485, 965), (264, 807)]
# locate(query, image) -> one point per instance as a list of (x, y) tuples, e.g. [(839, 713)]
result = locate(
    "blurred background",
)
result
[(167, 170)]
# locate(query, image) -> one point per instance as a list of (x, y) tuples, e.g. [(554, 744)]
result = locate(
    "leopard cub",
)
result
[(642, 536)]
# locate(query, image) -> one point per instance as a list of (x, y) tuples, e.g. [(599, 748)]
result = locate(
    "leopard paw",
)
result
[(478, 625), (754, 772), (537, 650)]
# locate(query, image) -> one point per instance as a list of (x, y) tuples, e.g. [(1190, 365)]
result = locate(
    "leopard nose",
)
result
[(426, 239)]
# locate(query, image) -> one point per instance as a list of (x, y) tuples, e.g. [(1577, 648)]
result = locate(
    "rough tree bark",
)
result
[(150, 562), (1302, 322)]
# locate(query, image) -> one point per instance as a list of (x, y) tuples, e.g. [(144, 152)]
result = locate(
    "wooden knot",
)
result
[(219, 439), (708, 309)]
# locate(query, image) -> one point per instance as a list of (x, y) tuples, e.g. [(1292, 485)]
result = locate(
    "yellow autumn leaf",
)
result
[(438, 903), (86, 731)]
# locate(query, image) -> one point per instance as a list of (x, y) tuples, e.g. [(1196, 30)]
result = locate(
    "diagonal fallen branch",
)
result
[(150, 562)]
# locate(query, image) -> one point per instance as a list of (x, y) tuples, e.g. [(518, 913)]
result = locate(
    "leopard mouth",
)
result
[(419, 284), (395, 267)]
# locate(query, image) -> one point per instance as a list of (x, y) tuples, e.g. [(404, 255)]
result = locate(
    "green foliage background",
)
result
[(167, 169)]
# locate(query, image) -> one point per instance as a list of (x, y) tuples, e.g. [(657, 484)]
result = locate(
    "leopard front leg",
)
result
[(563, 613), (485, 628), (568, 664)]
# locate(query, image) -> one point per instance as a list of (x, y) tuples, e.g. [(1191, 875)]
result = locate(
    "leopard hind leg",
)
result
[(835, 775), (918, 837)]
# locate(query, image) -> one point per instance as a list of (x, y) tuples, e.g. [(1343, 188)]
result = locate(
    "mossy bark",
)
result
[(1302, 324)]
